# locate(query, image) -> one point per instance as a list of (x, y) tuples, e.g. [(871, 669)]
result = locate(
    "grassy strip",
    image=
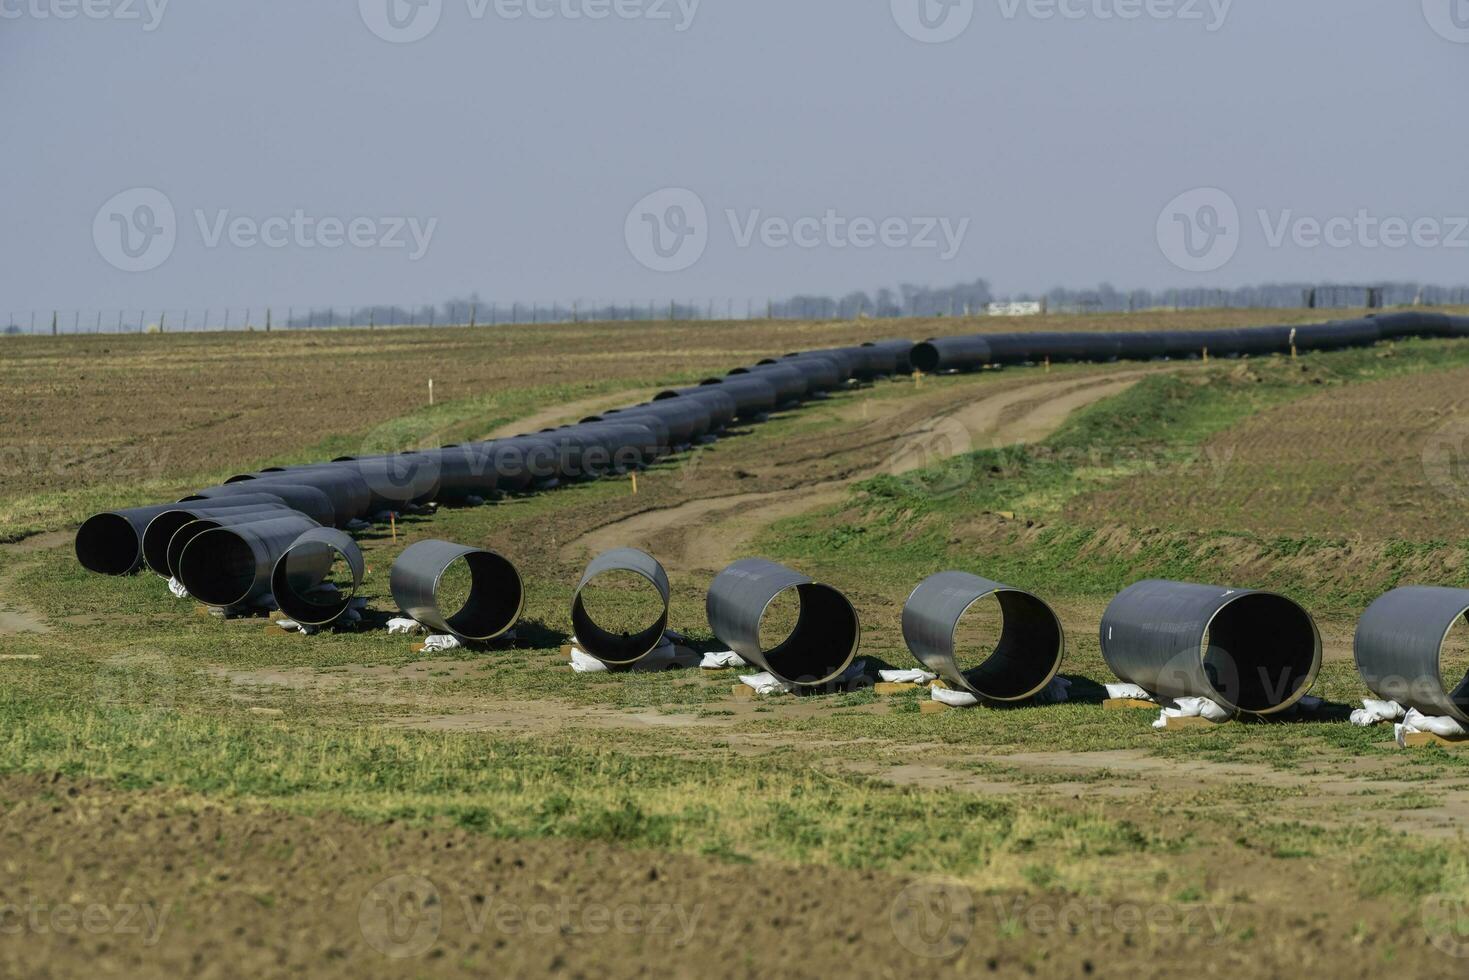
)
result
[(1000, 512)]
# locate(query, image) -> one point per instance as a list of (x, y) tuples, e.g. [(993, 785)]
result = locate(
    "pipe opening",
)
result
[(619, 616), (812, 639), (1021, 643), (1453, 663), (485, 592), (217, 567), (925, 357), (107, 544), (1260, 652), (313, 583), (159, 533)]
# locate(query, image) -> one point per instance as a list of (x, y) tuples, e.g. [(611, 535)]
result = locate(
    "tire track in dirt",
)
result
[(706, 534), (14, 616)]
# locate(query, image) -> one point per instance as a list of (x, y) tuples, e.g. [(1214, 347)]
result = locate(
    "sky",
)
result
[(355, 152)]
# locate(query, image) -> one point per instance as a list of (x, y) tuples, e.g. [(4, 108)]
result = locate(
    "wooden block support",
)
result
[(1418, 740), (1190, 724), (742, 692), (274, 630), (418, 647), (1129, 704), (885, 689), (933, 708)]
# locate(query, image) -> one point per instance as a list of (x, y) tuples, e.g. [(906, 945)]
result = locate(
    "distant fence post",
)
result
[(267, 319), (53, 323)]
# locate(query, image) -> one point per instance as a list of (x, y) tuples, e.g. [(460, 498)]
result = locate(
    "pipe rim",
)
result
[(656, 631), (1309, 678), (102, 544), (823, 589), (480, 556), (1055, 668), (280, 588)]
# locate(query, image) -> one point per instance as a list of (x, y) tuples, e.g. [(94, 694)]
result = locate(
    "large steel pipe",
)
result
[(753, 397), (350, 495), (465, 471), (310, 501), (1247, 650), (822, 373), (231, 566), (300, 572), (845, 361), (820, 647), (180, 539), (723, 409), (950, 354), (1024, 657), (790, 382), (1400, 646), (496, 595), (892, 355), (395, 480), (161, 529), (620, 649)]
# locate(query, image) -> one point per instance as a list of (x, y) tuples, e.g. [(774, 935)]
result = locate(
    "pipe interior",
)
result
[(484, 590), (1453, 663), (107, 544), (925, 358), (313, 583), (218, 567), (181, 539), (1023, 641), (1259, 651), (619, 616), (159, 533), (822, 641)]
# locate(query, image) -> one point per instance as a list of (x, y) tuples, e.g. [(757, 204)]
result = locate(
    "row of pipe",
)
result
[(224, 544), (1250, 651)]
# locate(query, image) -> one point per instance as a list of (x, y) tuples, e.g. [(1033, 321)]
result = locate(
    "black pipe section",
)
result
[(753, 396), (231, 566), (827, 632), (161, 529), (892, 355), (788, 380), (723, 409), (1399, 649), (496, 596), (1025, 657), (1249, 651), (300, 571), (310, 501), (620, 649), (822, 373), (174, 549)]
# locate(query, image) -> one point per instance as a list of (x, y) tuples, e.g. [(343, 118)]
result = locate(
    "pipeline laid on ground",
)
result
[(1399, 649), (1246, 650), (1029, 646), (490, 610), (823, 642), (213, 535), (620, 649)]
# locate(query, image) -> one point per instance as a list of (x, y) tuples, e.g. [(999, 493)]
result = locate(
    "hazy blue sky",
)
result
[(1039, 146)]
